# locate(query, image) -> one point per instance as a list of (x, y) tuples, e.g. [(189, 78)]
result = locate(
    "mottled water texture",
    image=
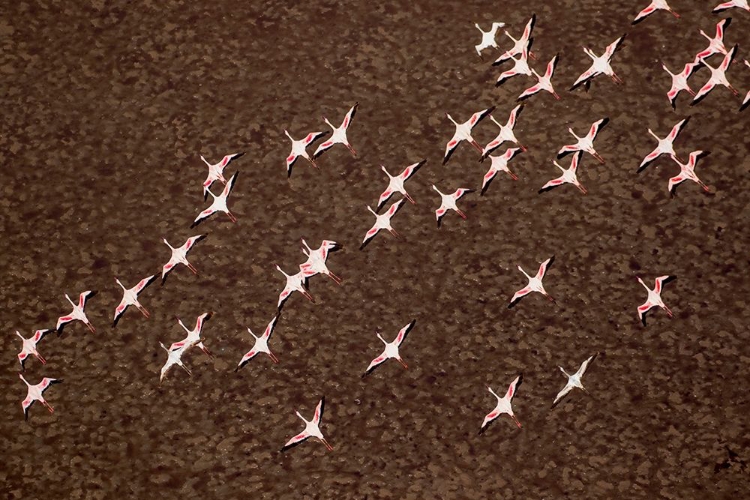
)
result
[(108, 105)]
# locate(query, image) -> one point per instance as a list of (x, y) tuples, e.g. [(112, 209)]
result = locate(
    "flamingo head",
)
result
[(251, 333)]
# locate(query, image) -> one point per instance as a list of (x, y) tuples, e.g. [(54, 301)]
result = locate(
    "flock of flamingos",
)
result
[(316, 262)]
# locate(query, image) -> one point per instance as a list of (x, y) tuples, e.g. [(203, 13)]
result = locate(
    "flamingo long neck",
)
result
[(373, 211), (381, 338), (71, 302)]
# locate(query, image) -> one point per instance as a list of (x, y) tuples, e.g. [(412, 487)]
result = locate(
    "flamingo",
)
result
[(543, 82), (600, 65), (34, 393), (463, 132), (535, 283), (506, 132), (382, 221), (585, 143), (568, 176), (174, 357), (339, 134), (130, 298), (179, 256), (391, 349), (29, 347), (653, 7), (573, 380), (715, 44), (216, 172), (294, 283), (77, 314), (316, 260), (718, 77), (193, 336), (680, 82), (299, 149), (219, 204), (448, 202), (312, 429), (261, 345), (740, 4), (519, 45), (503, 404), (654, 297), (687, 172), (499, 163), (665, 146), (521, 67), (488, 37), (396, 184)]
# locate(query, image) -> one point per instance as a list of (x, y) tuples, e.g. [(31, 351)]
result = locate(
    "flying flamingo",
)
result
[(77, 314), (339, 134), (216, 171), (463, 132), (653, 7), (535, 283), (179, 256), (519, 45), (573, 380), (193, 336), (299, 149), (35, 394), (499, 163), (521, 67), (312, 429), (503, 404), (654, 297), (391, 349), (219, 204), (488, 37), (382, 221), (687, 172), (544, 82), (173, 358), (396, 183), (261, 345), (718, 77), (740, 4), (130, 298), (600, 65), (715, 44), (506, 132), (680, 82), (585, 143), (569, 176), (294, 283), (448, 202), (326, 247), (316, 260), (665, 146), (29, 347)]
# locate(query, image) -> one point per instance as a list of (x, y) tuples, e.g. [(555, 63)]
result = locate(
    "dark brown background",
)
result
[(106, 109)]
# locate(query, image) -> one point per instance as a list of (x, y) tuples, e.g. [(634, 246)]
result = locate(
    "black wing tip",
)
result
[(744, 106)]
